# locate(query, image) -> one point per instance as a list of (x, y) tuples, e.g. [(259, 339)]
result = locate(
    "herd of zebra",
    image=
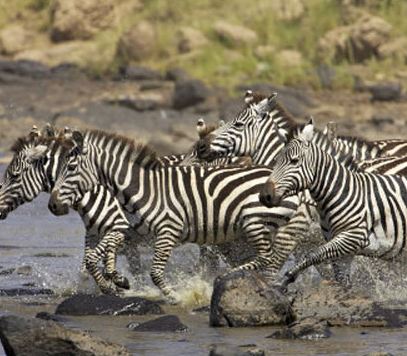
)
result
[(254, 180)]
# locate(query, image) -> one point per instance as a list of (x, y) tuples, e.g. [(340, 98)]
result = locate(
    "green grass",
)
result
[(219, 63)]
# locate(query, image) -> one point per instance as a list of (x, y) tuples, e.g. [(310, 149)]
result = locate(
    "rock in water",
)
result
[(340, 307), (243, 298), (220, 350), (306, 329), (167, 323), (31, 336), (85, 304)]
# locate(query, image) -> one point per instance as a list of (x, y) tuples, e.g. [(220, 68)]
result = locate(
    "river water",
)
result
[(52, 248)]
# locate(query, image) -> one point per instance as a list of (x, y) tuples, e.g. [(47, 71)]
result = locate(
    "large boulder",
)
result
[(357, 42), (80, 19), (85, 304), (242, 298), (31, 336), (137, 43), (190, 39), (288, 10), (14, 38), (235, 35)]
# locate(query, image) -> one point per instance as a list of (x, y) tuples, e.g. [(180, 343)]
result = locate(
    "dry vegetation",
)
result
[(219, 62)]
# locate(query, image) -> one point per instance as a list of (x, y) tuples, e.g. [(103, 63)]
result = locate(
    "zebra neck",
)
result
[(269, 142), (331, 182), (359, 149)]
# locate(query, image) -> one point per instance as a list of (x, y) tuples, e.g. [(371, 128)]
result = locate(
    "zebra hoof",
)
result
[(121, 282)]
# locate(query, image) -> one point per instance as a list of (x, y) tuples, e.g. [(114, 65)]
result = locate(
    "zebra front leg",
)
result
[(344, 244), (92, 259), (86, 252), (162, 251), (114, 240)]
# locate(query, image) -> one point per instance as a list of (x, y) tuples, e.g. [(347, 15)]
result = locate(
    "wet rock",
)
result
[(385, 92), (176, 74), (32, 336), (133, 72), (137, 43), (340, 307), (243, 298), (6, 272), (220, 350), (357, 42), (189, 92), (235, 35), (167, 323), (85, 304), (53, 317), (50, 255), (190, 39), (25, 68), (80, 19), (14, 38), (14, 292), (288, 10), (24, 270), (68, 71), (306, 329)]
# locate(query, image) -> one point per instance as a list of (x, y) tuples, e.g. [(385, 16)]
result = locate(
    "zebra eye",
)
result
[(295, 160), (239, 125)]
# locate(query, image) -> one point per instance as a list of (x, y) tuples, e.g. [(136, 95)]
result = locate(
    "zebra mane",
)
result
[(143, 154), (360, 142)]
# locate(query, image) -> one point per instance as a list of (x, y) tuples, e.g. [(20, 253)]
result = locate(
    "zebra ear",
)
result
[(267, 105), (307, 132), (79, 142), (35, 153)]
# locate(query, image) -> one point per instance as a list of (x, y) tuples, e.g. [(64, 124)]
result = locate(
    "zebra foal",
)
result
[(364, 213)]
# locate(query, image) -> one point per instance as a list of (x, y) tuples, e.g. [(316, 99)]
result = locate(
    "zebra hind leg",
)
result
[(114, 240), (162, 251)]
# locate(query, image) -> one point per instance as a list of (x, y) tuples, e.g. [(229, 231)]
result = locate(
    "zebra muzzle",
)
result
[(268, 195), (56, 207)]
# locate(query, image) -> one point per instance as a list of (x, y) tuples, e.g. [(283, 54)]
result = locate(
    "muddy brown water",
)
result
[(53, 246)]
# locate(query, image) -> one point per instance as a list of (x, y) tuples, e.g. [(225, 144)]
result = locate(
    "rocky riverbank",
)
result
[(162, 108)]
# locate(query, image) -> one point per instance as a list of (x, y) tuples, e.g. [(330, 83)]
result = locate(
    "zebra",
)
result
[(256, 132), (34, 168), (204, 205), (364, 213)]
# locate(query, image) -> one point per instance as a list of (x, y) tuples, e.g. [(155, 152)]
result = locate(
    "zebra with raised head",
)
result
[(203, 205), (364, 213)]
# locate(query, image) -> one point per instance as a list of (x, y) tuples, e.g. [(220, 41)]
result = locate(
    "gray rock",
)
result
[(340, 307), (25, 336), (385, 92), (25, 68), (7, 271), (133, 72), (48, 316), (85, 304), (24, 270), (167, 323), (220, 350), (176, 74), (189, 92), (243, 298), (14, 292), (306, 329)]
